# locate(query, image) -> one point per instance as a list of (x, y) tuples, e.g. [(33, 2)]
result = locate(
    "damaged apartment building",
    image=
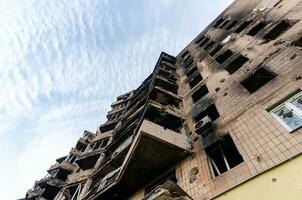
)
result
[(221, 120)]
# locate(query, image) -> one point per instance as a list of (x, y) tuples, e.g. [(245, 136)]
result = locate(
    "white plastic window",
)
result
[(289, 114)]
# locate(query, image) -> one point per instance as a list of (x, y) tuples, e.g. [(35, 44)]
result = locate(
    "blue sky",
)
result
[(63, 62)]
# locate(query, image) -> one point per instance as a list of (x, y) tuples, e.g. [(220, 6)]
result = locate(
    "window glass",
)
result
[(289, 117), (297, 102)]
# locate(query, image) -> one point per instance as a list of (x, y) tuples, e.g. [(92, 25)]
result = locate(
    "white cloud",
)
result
[(63, 62)]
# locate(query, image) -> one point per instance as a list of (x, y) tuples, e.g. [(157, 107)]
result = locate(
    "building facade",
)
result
[(221, 120)]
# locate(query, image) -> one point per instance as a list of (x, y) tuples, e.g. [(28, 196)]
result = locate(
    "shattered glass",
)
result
[(289, 117), (297, 102)]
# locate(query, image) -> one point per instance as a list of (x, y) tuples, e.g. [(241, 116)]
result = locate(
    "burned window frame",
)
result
[(243, 25), (257, 28), (236, 63), (287, 103), (253, 75), (274, 33), (224, 56), (221, 145)]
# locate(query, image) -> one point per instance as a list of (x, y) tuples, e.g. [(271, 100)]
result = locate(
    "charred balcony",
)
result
[(46, 188), (168, 67), (166, 85), (153, 150), (89, 158), (124, 132), (62, 169), (51, 187), (109, 125), (166, 118), (165, 98), (168, 75)]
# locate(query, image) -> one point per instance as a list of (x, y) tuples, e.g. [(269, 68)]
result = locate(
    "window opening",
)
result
[(224, 23), (257, 79), (204, 41), (195, 80), (210, 45), (216, 49), (229, 27), (243, 25), (224, 56), (194, 69), (279, 29), (257, 28), (198, 94), (210, 111), (236, 64), (223, 155), (218, 22)]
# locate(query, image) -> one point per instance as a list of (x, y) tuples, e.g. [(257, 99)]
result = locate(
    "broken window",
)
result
[(185, 54), (224, 56), (203, 42), (218, 22), (275, 32), (288, 112), (194, 81), (216, 49), (257, 79), (235, 64), (186, 58), (243, 25), (229, 27), (223, 155), (210, 111), (257, 28), (198, 94), (210, 45), (224, 23), (199, 40), (189, 63), (194, 69)]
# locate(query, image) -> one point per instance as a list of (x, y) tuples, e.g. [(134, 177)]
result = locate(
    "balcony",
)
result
[(46, 188), (153, 150), (109, 125), (88, 159), (62, 169), (167, 190), (75, 152), (64, 165), (78, 177)]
